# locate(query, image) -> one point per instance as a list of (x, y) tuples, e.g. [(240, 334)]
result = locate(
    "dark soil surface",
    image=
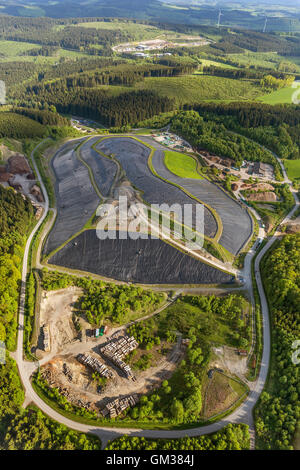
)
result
[(75, 196), (103, 168), (147, 261), (133, 157), (237, 225)]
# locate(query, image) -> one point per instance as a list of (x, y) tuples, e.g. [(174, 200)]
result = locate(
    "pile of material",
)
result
[(46, 336), (117, 406), (50, 375), (18, 165), (36, 191), (96, 365), (117, 350)]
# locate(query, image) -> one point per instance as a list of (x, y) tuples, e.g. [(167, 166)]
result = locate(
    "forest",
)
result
[(231, 437), (16, 218), (276, 127), (19, 127), (32, 430), (200, 319), (278, 411), (210, 135), (22, 429), (43, 31), (102, 301)]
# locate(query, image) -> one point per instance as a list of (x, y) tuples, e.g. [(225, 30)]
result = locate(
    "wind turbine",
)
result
[(265, 25), (219, 18), (291, 27)]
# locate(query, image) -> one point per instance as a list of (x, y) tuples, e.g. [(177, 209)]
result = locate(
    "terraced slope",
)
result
[(104, 169), (75, 196), (146, 261), (133, 157), (237, 224)]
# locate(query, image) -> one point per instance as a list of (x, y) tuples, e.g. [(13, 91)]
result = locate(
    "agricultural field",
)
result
[(181, 165), (142, 260), (221, 393), (195, 88), (11, 49)]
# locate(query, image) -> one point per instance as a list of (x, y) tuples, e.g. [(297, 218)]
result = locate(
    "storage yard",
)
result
[(116, 350), (74, 374)]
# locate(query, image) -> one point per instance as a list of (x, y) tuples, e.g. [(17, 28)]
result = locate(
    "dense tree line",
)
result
[(115, 302), (44, 117), (252, 114), (113, 111), (32, 430), (214, 137), (44, 31), (256, 41), (11, 391), (101, 300), (276, 127), (278, 411), (123, 74), (247, 73), (65, 68), (14, 72), (45, 51), (16, 216), (231, 437), (19, 127), (281, 274)]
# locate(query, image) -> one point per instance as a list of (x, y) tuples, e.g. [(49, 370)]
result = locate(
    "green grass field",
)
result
[(181, 165), (207, 62), (137, 31), (280, 96), (195, 88), (13, 50), (293, 169)]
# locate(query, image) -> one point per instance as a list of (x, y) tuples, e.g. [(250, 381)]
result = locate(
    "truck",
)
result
[(100, 331)]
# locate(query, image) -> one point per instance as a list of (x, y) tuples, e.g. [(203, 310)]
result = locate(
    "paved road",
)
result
[(243, 414)]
